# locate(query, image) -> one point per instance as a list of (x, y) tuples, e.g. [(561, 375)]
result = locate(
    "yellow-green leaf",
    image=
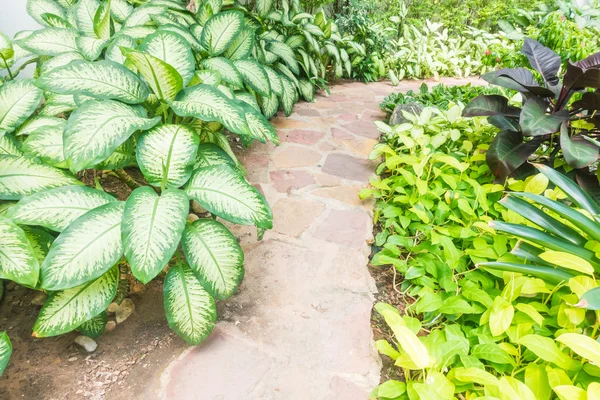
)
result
[(583, 345), (567, 260)]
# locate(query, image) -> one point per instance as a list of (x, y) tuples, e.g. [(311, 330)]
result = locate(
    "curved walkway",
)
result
[(299, 328)]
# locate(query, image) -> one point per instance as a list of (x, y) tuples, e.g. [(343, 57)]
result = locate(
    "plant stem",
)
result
[(22, 67), (125, 177), (10, 75)]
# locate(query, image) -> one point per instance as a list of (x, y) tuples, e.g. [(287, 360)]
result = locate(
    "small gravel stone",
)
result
[(138, 287), (112, 308), (124, 310), (197, 208), (110, 326), (10, 285), (87, 343), (192, 217), (39, 299)]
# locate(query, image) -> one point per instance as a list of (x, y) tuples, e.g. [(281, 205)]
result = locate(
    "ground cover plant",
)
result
[(143, 92)]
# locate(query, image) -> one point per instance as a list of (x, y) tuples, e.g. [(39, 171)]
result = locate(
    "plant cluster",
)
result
[(151, 87)]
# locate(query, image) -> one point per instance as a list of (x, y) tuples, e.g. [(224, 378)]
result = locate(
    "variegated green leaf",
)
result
[(241, 47), (191, 311), (86, 249), (67, 309), (229, 73), (270, 105), (50, 41), (20, 176), (95, 326), (206, 9), (259, 126), (123, 156), (215, 256), (5, 351), (18, 261), (8, 145), (221, 30), (58, 104), (97, 128), (137, 32), (101, 80), (151, 229), (162, 78), (290, 96), (55, 209), (173, 49), (211, 154), (254, 75), (218, 138), (47, 145), (55, 21), (248, 98), (33, 124), (59, 61), (37, 8), (166, 155), (113, 51), (18, 100), (224, 192), (102, 22), (6, 48), (85, 11), (286, 53), (91, 48), (209, 104), (40, 241), (263, 7), (208, 77), (274, 80), (295, 41), (184, 33), (143, 15), (307, 89), (120, 10)]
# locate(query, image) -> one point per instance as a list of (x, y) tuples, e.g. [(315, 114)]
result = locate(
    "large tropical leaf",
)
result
[(544, 60), (102, 21), (37, 8), (209, 104), (508, 152), (18, 100), (241, 47), (120, 10), (211, 154), (143, 15), (34, 124), (221, 30), (91, 48), (101, 80), (206, 9), (9, 145), (229, 72), (85, 11), (174, 50), (113, 51), (40, 241), (50, 41), (20, 176), (191, 311), (163, 79), (578, 152), (520, 79), (263, 7), (18, 261), (5, 351), (274, 80), (535, 122), (166, 155), (289, 97), (67, 309), (47, 145), (260, 128), (151, 229), (59, 61), (97, 128), (490, 105), (123, 156), (95, 326), (85, 250), (56, 208), (270, 105), (215, 256), (224, 192), (286, 53), (254, 75)]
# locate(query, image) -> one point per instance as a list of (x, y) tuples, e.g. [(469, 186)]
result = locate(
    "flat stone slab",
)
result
[(348, 167)]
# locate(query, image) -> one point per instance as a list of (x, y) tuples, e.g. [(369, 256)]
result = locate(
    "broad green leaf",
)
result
[(568, 261), (85, 11), (101, 80), (475, 375), (508, 152), (20, 176), (491, 352), (578, 152), (547, 350), (567, 392), (34, 124), (166, 155), (582, 345), (151, 229), (102, 22), (215, 256), (211, 154), (58, 104), (37, 8), (270, 105), (120, 10), (307, 89), (59, 61), (229, 72), (5, 351), (174, 50), (254, 75), (50, 41), (536, 379), (18, 100), (535, 122), (162, 78), (224, 192), (241, 47), (221, 30), (67, 309), (18, 261), (184, 33), (275, 81), (95, 326), (9, 145), (191, 311), (501, 316), (248, 98), (286, 53), (97, 128), (209, 104), (142, 15), (47, 144), (260, 128), (85, 250), (206, 9), (263, 8), (209, 77), (113, 51), (590, 300), (56, 208), (91, 48), (391, 389), (513, 389), (289, 97)]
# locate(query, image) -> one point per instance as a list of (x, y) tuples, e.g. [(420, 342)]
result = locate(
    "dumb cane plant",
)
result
[(548, 122), (149, 87)]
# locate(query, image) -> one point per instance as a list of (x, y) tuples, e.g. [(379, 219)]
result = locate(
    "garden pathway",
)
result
[(299, 328)]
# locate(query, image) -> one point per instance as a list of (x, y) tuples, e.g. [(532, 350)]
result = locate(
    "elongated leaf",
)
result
[(21, 176), (97, 128), (254, 75), (174, 50), (95, 326), (520, 79), (535, 122), (56, 208), (37, 8), (220, 31), (18, 261), (113, 51), (37, 122), (91, 48), (151, 229), (290, 96), (209, 104), (142, 15), (241, 47), (547, 350), (261, 129), (166, 154), (67, 309), (578, 152), (85, 250), (47, 145), (85, 11), (263, 7), (50, 41), (163, 79), (590, 300), (120, 10), (270, 105), (215, 257), (508, 152), (191, 311), (550, 275), (224, 192), (123, 156), (211, 154), (229, 72), (544, 60), (583, 345), (9, 145), (286, 53), (18, 100), (101, 80), (5, 351), (59, 61), (102, 22), (490, 105)]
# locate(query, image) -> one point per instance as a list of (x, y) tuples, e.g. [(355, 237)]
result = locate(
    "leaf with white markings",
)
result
[(174, 50), (97, 128), (162, 78), (229, 72), (40, 241), (224, 192), (211, 154), (85, 11), (18, 100), (151, 229), (274, 80), (91, 48), (220, 31), (56, 208), (261, 129), (9, 145), (33, 124), (95, 326), (166, 155), (85, 250), (191, 311), (254, 75), (215, 256), (37, 8), (241, 47), (5, 351), (50, 41), (67, 309), (101, 80), (113, 51), (20, 176), (263, 7), (102, 22), (47, 145), (286, 53), (18, 261), (120, 10)]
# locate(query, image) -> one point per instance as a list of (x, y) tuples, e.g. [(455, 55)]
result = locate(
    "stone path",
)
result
[(299, 328)]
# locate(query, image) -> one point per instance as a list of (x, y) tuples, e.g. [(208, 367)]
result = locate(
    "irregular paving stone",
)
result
[(362, 147), (348, 167), (327, 180), (345, 227), (302, 136), (296, 156), (345, 194), (338, 133), (283, 180), (363, 128), (293, 216), (342, 389), (309, 112)]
